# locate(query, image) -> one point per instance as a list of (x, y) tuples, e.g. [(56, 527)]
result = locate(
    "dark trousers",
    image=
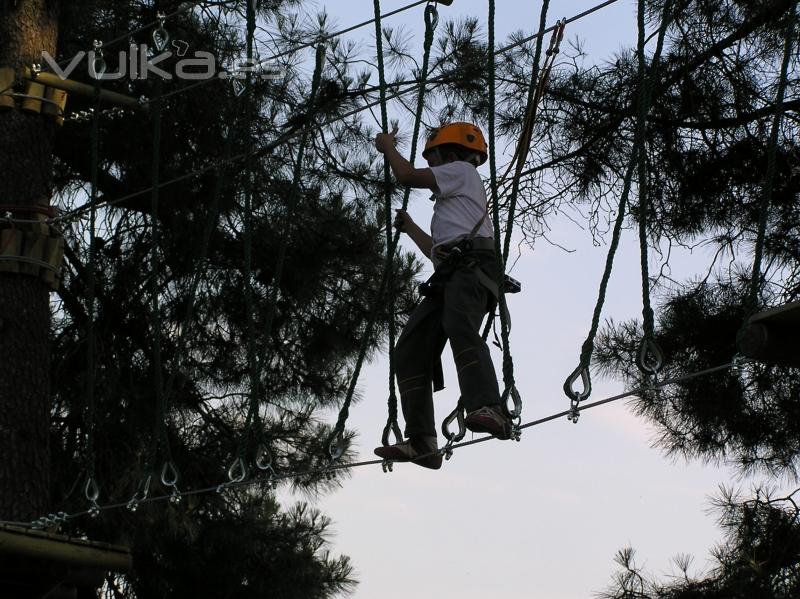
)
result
[(456, 313)]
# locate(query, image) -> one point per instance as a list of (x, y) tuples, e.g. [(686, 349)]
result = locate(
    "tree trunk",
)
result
[(27, 28)]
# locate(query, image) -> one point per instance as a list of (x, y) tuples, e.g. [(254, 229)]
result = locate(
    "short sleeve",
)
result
[(450, 178)]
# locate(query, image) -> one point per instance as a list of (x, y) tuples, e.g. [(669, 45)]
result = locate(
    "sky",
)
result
[(542, 518)]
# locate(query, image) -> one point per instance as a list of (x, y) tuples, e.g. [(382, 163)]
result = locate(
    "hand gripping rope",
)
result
[(336, 440)]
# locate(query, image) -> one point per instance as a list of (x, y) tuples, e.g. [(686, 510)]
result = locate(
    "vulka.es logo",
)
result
[(136, 64)]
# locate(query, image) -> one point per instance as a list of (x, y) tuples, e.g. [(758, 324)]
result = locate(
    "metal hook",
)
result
[(650, 359), (160, 36)]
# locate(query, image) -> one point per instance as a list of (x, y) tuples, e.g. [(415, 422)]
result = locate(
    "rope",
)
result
[(253, 420), (291, 208), (274, 478), (505, 325), (527, 129), (650, 356), (160, 439), (769, 182), (391, 420), (337, 446), (91, 370), (418, 86), (582, 370)]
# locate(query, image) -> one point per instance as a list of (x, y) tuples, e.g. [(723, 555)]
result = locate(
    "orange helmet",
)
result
[(465, 135)]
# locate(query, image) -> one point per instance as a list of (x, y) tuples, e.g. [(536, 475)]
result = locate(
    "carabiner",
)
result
[(160, 36), (455, 415), (650, 358), (169, 474), (99, 66), (237, 471), (263, 459), (142, 492)]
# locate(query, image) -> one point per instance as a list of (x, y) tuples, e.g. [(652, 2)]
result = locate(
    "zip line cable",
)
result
[(285, 137), (273, 478)]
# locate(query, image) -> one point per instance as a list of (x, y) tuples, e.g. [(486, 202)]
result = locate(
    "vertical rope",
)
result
[(529, 108), (253, 415), (582, 371), (161, 440), (91, 288), (650, 357), (505, 325), (391, 421), (294, 195), (344, 412), (772, 151)]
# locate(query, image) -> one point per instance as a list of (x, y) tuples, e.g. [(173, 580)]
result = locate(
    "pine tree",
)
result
[(309, 323)]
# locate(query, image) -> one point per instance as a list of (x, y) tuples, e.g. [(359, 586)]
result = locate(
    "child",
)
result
[(459, 294)]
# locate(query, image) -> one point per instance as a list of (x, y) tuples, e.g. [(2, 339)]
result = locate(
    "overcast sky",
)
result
[(544, 517)]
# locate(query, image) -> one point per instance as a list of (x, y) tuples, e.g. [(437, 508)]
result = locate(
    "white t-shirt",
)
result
[(460, 203)]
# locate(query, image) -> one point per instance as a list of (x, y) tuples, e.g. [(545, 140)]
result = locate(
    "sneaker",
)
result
[(489, 419), (416, 451)]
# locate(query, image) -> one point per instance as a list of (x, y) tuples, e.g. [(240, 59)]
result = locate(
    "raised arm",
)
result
[(404, 171)]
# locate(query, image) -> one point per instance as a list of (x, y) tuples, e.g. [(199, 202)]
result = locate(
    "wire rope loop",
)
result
[(391, 427), (650, 358), (160, 36), (142, 493), (431, 16)]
